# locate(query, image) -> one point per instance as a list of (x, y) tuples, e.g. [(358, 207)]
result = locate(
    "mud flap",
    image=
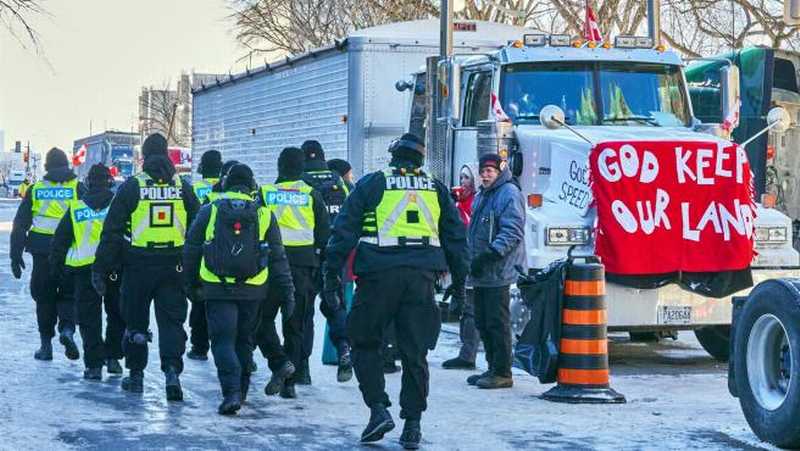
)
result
[(738, 305)]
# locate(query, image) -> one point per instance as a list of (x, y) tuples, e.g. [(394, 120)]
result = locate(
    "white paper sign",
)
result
[(569, 179)]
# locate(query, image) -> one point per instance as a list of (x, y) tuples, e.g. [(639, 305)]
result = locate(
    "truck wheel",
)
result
[(716, 340), (767, 345)]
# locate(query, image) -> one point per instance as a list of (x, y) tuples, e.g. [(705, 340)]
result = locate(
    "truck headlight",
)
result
[(567, 236), (772, 235)]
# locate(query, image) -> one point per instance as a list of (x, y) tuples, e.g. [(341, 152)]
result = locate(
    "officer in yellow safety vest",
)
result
[(145, 229), (233, 283), (209, 169), (74, 246), (23, 187), (43, 206), (405, 229), (301, 214)]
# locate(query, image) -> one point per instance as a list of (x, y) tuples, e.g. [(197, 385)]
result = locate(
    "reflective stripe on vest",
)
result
[(263, 224), (202, 188), (87, 225), (159, 220), (49, 201), (293, 207), (407, 215)]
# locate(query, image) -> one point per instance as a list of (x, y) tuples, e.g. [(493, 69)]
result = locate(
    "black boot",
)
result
[(345, 370), (93, 374), (494, 381), (230, 404), (276, 382), (113, 366), (196, 354), (288, 391), (458, 363), (134, 383), (70, 348), (412, 434), (302, 375), (173, 385), (45, 351), (472, 380), (380, 422)]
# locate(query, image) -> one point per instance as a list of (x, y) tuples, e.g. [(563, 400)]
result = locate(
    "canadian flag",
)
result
[(79, 156), (497, 110), (591, 31)]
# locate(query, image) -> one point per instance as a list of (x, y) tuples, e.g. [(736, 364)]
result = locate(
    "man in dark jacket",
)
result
[(209, 169), (74, 246), (497, 248), (300, 212), (334, 192), (43, 206), (232, 307), (406, 230), (145, 229)]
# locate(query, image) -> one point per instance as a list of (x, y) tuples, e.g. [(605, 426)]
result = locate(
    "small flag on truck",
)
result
[(591, 30)]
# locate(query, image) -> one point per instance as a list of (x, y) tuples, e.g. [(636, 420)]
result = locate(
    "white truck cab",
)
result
[(630, 90)]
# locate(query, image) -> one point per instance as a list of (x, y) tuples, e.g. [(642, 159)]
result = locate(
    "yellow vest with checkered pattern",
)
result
[(159, 220)]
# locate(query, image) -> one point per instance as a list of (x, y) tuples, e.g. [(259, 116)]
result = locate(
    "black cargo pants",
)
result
[(230, 327), (90, 320), (162, 286), (55, 298), (405, 296), (198, 327), (492, 320)]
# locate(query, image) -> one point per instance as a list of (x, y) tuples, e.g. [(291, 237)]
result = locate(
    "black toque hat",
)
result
[(55, 158), (313, 150), (210, 164), (155, 144), (339, 166), (291, 162), (408, 141), (239, 175), (99, 176), (490, 160)]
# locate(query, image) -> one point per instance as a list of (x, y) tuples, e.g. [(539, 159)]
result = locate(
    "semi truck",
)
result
[(112, 148)]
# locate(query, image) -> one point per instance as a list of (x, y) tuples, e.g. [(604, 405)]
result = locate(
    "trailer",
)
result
[(340, 95)]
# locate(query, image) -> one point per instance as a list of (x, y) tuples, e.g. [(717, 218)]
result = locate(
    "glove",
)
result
[(287, 308), (99, 283), (331, 293), (480, 262), (458, 297), (17, 265)]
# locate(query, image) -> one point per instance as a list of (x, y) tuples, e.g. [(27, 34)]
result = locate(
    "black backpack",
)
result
[(330, 186), (236, 250)]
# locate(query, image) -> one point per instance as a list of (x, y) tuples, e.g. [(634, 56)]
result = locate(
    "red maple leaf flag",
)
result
[(591, 31), (79, 156)]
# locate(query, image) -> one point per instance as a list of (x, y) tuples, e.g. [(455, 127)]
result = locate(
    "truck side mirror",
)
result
[(731, 98), (778, 118), (403, 85), (552, 117)]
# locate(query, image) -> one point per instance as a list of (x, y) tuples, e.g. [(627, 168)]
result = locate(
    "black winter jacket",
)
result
[(371, 258), (279, 272), (96, 199), (21, 236), (114, 247)]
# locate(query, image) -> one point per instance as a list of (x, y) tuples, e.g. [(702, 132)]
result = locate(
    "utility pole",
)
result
[(446, 26), (654, 21)]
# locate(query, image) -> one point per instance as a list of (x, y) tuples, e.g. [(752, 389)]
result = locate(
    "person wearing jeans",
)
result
[(496, 247)]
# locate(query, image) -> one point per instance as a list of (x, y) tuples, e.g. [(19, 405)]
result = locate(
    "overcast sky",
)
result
[(100, 54)]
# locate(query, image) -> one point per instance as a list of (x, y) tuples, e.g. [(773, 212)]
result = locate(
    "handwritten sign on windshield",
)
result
[(569, 179)]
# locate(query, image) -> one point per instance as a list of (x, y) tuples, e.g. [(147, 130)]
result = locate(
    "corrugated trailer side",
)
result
[(252, 117)]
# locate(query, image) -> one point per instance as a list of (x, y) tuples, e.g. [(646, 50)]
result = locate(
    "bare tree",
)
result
[(15, 16), (160, 111)]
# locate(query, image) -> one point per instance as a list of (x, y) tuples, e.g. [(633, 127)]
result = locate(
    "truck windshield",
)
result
[(596, 93)]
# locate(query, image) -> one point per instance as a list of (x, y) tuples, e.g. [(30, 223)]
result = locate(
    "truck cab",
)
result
[(628, 90)]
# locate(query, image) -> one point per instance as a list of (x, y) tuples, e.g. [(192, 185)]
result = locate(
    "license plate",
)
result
[(669, 314)]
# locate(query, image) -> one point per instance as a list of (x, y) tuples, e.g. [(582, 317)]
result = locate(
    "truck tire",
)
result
[(766, 347), (716, 340)]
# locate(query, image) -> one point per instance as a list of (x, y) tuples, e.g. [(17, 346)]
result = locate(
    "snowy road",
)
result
[(677, 399)]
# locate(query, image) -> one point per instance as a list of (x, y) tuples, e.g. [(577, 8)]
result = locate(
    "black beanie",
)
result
[(155, 144), (239, 175), (55, 158), (339, 166), (490, 160), (210, 164), (227, 167), (291, 162), (99, 176), (313, 150), (408, 141)]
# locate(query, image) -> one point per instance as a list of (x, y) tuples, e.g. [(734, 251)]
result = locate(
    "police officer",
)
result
[(145, 228), (300, 211), (232, 307), (406, 230), (74, 245), (43, 206), (209, 168)]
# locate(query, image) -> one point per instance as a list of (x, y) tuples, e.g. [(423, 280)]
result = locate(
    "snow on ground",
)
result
[(677, 399)]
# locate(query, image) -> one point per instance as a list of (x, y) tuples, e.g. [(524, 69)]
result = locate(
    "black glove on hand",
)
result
[(458, 297), (17, 265), (480, 262), (99, 283), (287, 308), (331, 292)]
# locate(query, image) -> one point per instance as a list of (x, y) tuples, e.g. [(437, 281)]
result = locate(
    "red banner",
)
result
[(672, 206)]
